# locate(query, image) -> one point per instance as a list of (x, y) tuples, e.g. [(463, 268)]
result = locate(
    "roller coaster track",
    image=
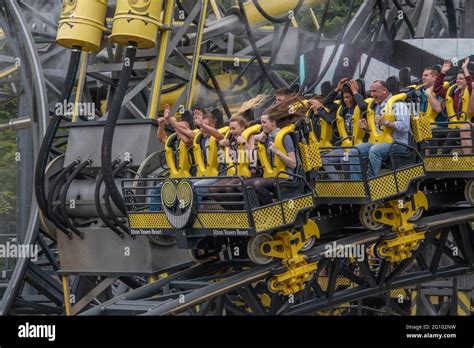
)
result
[(39, 109), (223, 288), (194, 291)]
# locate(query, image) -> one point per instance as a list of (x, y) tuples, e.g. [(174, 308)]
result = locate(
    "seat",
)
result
[(295, 186), (401, 160)]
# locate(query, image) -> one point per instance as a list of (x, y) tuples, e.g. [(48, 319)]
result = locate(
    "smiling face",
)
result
[(428, 78), (235, 129), (348, 99), (461, 82), (378, 92), (268, 125)]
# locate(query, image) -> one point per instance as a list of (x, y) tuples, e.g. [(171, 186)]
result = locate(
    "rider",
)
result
[(463, 82), (351, 98), (229, 185), (272, 120), (377, 153)]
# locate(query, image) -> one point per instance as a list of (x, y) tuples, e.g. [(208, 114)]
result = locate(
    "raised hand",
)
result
[(446, 66), (354, 86), (341, 83), (197, 117), (465, 65)]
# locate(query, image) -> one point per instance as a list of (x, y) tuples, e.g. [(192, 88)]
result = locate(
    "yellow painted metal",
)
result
[(341, 189), (358, 134), (222, 220), (170, 98), (341, 128), (156, 91), (180, 169), (326, 131), (67, 300), (464, 114), (220, 58), (80, 84), (311, 229), (400, 248), (286, 247), (449, 163), (421, 128), (314, 19), (275, 215), (8, 71), (274, 8), (211, 166), (137, 21), (239, 163), (382, 134), (197, 53), (397, 214), (269, 170), (413, 309), (225, 81), (464, 303), (82, 24), (310, 155), (154, 220), (215, 9)]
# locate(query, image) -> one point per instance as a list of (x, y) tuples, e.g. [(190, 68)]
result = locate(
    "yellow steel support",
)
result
[(215, 9), (397, 214), (221, 58), (287, 246), (274, 8), (80, 84), (197, 53), (314, 19), (414, 295), (161, 59), (152, 279), (67, 303), (8, 71), (464, 303)]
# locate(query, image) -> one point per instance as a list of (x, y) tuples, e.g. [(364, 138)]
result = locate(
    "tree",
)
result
[(8, 163)]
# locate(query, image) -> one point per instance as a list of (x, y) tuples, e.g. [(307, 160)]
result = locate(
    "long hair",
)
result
[(250, 105), (286, 112)]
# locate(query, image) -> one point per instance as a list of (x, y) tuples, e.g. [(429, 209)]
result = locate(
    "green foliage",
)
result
[(335, 19), (8, 163)]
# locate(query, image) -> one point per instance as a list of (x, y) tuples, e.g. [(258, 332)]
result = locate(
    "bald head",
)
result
[(379, 91)]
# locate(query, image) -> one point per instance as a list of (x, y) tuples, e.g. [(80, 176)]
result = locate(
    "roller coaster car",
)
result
[(203, 215), (400, 178), (441, 142)]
